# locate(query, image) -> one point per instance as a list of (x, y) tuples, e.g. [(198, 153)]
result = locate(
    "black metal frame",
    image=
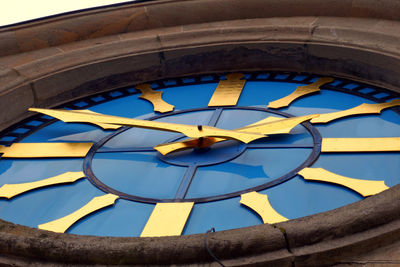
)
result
[(189, 175)]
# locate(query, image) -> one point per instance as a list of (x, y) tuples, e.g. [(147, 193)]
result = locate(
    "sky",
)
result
[(14, 11)]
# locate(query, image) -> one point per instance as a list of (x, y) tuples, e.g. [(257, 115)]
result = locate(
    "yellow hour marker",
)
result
[(228, 91), (378, 144), (154, 97), (359, 110), (61, 225), (12, 190), (45, 150), (167, 219), (363, 187), (260, 204), (299, 92)]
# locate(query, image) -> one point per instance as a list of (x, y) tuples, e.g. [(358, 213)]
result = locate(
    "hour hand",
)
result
[(268, 126), (193, 131)]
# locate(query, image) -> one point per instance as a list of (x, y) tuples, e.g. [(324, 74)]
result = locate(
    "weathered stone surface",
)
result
[(144, 16), (14, 104), (249, 249), (28, 57)]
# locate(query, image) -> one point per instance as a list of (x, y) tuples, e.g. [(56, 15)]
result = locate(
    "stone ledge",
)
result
[(168, 13)]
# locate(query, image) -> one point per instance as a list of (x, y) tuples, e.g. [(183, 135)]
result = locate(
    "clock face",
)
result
[(184, 155)]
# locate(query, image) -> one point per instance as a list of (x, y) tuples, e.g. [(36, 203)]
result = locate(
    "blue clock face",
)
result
[(316, 164)]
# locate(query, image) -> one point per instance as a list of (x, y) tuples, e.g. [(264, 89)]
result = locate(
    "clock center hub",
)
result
[(215, 154)]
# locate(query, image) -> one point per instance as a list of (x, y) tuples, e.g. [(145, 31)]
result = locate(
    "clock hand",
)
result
[(194, 131), (199, 143), (268, 126)]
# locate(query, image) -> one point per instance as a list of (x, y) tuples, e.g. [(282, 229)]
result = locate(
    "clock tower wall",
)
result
[(49, 62)]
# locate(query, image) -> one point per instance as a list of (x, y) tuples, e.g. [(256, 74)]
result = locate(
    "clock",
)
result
[(183, 156)]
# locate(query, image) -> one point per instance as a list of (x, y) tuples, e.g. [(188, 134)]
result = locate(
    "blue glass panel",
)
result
[(81, 104), (190, 96), (281, 77), (130, 107), (188, 80), (141, 174), (325, 101), (247, 76), (365, 126), (254, 167), (45, 204), (297, 197), (261, 93), (46, 117), (207, 78), (98, 98), (125, 218), (381, 95), (236, 118), (170, 82), (21, 130), (263, 76), (350, 86), (131, 90), (366, 90), (136, 137), (336, 82), (154, 85), (8, 138), (300, 78), (367, 166), (34, 123), (222, 215), (115, 93), (62, 132)]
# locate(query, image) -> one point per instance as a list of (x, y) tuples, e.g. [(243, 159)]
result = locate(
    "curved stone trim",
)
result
[(359, 49), (135, 17)]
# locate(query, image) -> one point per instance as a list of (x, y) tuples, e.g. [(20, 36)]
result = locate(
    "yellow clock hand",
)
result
[(194, 131), (268, 126)]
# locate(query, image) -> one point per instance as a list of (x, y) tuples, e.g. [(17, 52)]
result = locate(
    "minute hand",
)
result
[(192, 131)]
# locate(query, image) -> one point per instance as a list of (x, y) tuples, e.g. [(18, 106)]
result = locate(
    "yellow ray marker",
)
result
[(359, 110), (377, 144), (167, 219), (61, 225), (46, 150), (228, 91), (363, 187), (12, 190), (261, 205), (154, 97), (299, 92)]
